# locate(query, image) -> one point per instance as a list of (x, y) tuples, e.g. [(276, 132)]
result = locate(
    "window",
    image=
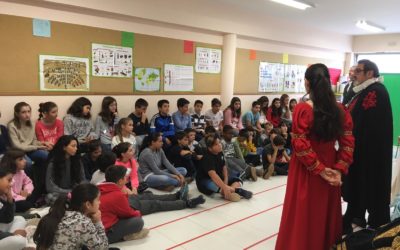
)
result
[(386, 62)]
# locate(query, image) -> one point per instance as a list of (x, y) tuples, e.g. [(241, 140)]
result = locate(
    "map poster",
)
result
[(111, 61), (208, 60), (147, 79), (178, 77), (61, 73), (271, 77)]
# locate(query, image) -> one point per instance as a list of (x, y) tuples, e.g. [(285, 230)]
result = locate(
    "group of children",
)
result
[(53, 161)]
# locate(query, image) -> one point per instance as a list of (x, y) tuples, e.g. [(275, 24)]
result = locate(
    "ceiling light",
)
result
[(362, 24), (294, 4)]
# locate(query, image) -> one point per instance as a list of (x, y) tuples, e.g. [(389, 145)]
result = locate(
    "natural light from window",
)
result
[(387, 63)]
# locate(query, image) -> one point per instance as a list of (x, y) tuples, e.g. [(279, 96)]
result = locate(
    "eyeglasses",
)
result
[(358, 70)]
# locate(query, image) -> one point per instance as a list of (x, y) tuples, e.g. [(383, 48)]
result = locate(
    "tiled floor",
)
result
[(248, 224)]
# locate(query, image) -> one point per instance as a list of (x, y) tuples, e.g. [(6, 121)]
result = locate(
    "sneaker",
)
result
[(244, 193), (268, 172), (192, 203), (183, 193), (189, 180), (253, 173), (136, 236), (32, 222), (234, 197)]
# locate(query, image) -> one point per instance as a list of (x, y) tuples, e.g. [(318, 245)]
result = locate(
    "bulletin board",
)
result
[(247, 71), (20, 51)]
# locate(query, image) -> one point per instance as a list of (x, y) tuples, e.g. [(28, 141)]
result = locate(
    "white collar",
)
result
[(364, 85)]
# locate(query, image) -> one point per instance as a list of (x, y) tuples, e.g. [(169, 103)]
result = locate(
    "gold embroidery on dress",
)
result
[(313, 166), (305, 152), (348, 132), (344, 163), (297, 136), (348, 149)]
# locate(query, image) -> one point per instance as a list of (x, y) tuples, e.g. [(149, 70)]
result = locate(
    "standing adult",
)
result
[(348, 92), (311, 217), (367, 187)]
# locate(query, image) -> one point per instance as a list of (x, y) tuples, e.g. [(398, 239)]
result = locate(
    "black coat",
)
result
[(368, 182)]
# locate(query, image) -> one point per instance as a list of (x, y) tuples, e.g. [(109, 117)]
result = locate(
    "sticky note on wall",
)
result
[(127, 39), (41, 27), (285, 58), (252, 54)]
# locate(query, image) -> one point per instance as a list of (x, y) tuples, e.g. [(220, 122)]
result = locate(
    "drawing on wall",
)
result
[(178, 77), (111, 61), (208, 60), (271, 77), (61, 73)]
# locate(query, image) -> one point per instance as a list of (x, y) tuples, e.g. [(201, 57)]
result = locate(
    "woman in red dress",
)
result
[(312, 214), (274, 112)]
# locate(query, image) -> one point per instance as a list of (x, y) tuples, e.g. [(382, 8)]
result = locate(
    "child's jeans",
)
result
[(155, 181)]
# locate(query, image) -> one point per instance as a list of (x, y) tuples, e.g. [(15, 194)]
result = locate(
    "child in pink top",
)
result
[(125, 157), (21, 185), (233, 115), (48, 128)]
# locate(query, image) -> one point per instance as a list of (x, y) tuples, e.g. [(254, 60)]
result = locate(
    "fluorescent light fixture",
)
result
[(362, 24), (295, 4)]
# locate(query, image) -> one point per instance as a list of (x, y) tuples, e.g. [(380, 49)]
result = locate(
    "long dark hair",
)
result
[(105, 112), (153, 137), (328, 117), (263, 99), (57, 156), (47, 227), (76, 108), (121, 149), (45, 108), (235, 113), (276, 111), (10, 157), (283, 97), (17, 109)]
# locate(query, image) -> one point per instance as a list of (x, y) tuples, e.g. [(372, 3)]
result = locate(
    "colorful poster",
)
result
[(294, 78), (335, 75), (111, 61), (208, 60), (147, 79), (61, 73), (271, 77), (178, 77)]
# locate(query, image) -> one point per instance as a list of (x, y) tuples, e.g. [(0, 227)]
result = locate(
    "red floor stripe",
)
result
[(208, 209), (258, 242), (225, 226)]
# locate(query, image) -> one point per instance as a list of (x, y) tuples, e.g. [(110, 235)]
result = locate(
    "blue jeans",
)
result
[(208, 187), (155, 181)]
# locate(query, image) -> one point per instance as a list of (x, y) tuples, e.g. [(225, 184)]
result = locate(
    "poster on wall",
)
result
[(294, 78), (147, 79), (271, 77), (208, 60), (111, 61), (61, 73), (178, 77)]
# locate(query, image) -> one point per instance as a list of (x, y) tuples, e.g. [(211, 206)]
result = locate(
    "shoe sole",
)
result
[(234, 197), (137, 236)]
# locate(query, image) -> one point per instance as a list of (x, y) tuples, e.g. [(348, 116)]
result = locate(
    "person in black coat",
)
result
[(367, 187)]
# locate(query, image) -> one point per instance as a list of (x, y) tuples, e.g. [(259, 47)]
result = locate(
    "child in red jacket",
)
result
[(120, 221)]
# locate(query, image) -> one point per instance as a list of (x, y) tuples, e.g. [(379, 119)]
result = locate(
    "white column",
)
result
[(228, 68)]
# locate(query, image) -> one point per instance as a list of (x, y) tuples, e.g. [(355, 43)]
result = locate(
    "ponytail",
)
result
[(148, 140), (45, 107)]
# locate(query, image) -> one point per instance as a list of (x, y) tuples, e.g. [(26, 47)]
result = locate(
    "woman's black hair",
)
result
[(118, 127), (105, 112), (282, 99), (235, 113), (9, 159), (328, 117), (115, 173), (121, 148), (290, 103), (153, 137), (5, 171), (47, 227), (263, 99), (57, 156), (17, 109), (277, 112), (45, 107), (76, 108)]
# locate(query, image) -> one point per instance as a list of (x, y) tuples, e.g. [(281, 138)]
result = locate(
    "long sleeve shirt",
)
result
[(52, 133), (104, 130), (235, 122), (21, 182), (79, 127), (151, 162), (6, 215), (181, 121), (162, 124), (23, 138)]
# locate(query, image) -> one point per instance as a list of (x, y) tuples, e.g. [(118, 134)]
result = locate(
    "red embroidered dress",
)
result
[(312, 214)]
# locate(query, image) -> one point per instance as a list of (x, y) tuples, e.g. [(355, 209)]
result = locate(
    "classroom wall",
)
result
[(376, 43)]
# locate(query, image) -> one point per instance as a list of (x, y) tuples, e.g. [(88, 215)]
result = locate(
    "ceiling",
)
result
[(337, 16)]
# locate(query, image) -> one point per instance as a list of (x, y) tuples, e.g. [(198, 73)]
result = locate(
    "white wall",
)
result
[(376, 43)]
